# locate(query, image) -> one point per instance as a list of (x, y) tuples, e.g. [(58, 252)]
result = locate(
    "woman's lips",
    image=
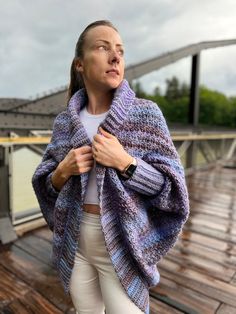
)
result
[(115, 71)]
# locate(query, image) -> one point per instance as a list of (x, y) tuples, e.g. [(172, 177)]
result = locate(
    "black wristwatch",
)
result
[(129, 170)]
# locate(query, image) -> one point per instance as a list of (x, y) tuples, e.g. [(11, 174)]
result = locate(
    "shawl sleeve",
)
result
[(145, 180), (160, 178), (55, 152)]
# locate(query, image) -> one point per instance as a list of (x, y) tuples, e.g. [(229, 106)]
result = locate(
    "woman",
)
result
[(110, 185)]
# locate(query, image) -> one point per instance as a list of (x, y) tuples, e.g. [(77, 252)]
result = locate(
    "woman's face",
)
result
[(102, 65)]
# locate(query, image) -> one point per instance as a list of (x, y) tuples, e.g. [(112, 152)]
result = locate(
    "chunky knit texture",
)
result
[(141, 217)]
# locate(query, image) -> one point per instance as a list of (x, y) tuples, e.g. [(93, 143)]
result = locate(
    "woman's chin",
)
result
[(104, 85), (114, 83)]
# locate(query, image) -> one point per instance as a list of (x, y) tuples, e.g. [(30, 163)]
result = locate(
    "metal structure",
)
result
[(20, 117), (7, 233), (194, 50)]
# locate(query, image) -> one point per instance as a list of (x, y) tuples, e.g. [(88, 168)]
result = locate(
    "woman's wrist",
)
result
[(62, 171), (124, 163), (59, 176)]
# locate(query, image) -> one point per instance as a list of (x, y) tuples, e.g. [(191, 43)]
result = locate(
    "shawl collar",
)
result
[(117, 114)]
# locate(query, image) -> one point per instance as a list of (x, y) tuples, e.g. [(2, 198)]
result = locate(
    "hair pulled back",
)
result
[(76, 79)]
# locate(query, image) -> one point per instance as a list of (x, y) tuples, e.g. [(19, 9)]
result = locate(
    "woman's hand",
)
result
[(77, 161), (108, 151)]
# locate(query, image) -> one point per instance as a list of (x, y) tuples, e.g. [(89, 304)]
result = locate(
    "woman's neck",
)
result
[(99, 102)]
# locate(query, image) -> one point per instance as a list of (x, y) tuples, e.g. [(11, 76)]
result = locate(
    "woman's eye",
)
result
[(121, 52), (102, 47)]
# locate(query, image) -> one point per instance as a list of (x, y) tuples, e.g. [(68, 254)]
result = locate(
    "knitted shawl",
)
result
[(141, 217)]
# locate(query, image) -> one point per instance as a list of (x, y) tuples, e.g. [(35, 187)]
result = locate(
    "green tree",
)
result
[(172, 88), (157, 91), (139, 91), (233, 107), (215, 108), (184, 90)]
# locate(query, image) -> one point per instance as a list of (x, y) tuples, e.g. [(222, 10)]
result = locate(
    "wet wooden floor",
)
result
[(197, 276)]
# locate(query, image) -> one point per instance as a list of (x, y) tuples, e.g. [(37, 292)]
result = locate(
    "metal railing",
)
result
[(20, 156)]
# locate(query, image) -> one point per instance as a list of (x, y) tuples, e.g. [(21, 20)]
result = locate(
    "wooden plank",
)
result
[(37, 247), (175, 137), (208, 223), (222, 193), (44, 233), (208, 242), (186, 298), (217, 220), (213, 207), (226, 191), (213, 174), (202, 265), (198, 192), (213, 198), (211, 287), (11, 287), (23, 228), (216, 181), (31, 302), (221, 213), (220, 210), (198, 275), (233, 281), (18, 297), (195, 249), (210, 232), (198, 137), (157, 307), (25, 140), (226, 309), (72, 311), (36, 274), (195, 200)]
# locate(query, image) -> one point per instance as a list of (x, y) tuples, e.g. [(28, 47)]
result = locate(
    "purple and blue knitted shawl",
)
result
[(141, 217)]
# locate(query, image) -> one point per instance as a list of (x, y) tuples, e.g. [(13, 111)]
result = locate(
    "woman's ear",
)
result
[(79, 65)]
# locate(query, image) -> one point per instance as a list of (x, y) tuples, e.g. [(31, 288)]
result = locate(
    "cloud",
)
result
[(38, 39)]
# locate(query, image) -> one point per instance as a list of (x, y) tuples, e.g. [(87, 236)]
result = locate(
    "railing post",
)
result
[(194, 92), (7, 233), (191, 155)]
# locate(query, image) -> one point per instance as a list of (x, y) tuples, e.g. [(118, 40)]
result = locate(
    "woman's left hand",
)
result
[(108, 151)]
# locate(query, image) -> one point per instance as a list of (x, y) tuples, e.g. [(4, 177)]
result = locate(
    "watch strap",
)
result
[(129, 169)]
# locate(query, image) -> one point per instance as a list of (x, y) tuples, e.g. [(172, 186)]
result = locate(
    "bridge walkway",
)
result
[(197, 276)]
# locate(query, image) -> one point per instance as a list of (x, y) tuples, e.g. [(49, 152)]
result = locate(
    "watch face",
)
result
[(130, 170)]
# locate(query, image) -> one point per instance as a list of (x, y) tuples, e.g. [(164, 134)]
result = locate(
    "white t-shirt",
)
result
[(91, 123)]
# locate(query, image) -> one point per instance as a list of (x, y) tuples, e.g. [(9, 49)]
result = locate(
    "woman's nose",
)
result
[(114, 57)]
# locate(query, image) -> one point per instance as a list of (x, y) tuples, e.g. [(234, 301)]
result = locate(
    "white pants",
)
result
[(94, 284)]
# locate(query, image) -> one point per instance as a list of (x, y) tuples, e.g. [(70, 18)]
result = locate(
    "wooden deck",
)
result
[(197, 276)]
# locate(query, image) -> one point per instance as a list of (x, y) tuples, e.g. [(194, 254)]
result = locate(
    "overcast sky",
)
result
[(37, 40)]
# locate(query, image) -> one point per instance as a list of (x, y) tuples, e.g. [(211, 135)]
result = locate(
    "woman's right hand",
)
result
[(77, 161)]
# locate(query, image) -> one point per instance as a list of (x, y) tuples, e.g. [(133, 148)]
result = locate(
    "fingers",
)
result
[(82, 153), (83, 150), (85, 157), (78, 160), (98, 138), (103, 139), (95, 149), (82, 167), (105, 133)]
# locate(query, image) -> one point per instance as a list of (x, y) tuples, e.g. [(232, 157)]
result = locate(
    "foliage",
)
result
[(137, 87), (215, 108)]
